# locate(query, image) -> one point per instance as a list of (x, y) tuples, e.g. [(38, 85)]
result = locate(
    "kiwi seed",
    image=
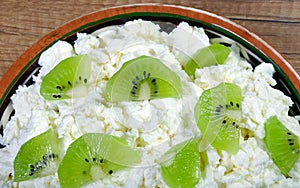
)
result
[(56, 96), (94, 160), (290, 140), (52, 155)]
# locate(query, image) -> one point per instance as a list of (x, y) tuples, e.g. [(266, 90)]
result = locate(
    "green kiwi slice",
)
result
[(143, 78), (218, 114), (68, 79), (38, 157), (282, 145), (204, 57), (181, 165), (95, 156)]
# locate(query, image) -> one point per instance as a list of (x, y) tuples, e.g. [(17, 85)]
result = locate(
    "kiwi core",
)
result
[(97, 173)]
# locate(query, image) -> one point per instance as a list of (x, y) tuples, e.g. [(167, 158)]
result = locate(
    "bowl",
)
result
[(168, 17)]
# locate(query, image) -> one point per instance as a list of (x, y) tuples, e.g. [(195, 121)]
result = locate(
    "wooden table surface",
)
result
[(22, 23)]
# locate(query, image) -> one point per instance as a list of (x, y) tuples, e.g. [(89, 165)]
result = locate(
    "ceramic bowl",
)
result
[(167, 16)]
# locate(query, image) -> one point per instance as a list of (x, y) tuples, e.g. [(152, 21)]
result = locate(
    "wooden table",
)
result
[(22, 23)]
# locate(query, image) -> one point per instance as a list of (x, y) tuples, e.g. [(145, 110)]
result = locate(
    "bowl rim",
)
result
[(23, 62)]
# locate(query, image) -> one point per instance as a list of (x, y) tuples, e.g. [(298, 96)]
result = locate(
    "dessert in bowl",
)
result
[(150, 96)]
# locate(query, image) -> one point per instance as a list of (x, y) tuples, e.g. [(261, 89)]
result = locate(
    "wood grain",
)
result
[(22, 23)]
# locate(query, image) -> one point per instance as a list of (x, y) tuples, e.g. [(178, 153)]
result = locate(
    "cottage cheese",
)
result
[(156, 125)]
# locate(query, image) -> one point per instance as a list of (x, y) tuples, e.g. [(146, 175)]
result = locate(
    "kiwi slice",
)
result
[(181, 165), (68, 79), (218, 114), (95, 156), (204, 57), (143, 78), (38, 157), (282, 145)]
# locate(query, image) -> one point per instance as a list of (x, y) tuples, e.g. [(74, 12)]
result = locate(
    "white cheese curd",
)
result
[(52, 56), (7, 159), (88, 44), (154, 126), (186, 40)]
